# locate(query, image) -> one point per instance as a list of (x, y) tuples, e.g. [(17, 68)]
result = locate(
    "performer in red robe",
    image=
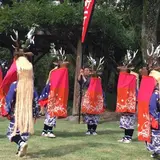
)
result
[(126, 99), (149, 111), (92, 101), (148, 103), (54, 97)]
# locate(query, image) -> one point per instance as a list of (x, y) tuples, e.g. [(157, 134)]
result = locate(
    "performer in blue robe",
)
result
[(154, 109), (19, 139)]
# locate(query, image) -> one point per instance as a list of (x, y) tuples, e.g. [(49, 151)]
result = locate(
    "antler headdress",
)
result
[(128, 59), (30, 40), (96, 67), (58, 54), (153, 57)]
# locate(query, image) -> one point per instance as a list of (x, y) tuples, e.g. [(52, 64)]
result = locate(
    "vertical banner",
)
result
[(88, 9), (1, 75)]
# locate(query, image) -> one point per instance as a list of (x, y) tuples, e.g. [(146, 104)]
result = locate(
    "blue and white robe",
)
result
[(51, 122), (10, 108), (154, 145), (128, 120)]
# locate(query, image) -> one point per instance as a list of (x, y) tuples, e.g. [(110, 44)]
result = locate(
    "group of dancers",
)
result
[(21, 104), (138, 96)]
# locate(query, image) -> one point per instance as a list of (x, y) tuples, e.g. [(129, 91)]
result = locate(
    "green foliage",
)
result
[(23, 15), (41, 70), (5, 55), (106, 20)]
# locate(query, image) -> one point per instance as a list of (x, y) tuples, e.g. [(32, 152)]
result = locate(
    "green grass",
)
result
[(72, 144)]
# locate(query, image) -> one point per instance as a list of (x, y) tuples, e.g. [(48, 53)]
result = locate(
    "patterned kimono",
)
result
[(127, 121), (126, 100), (89, 119), (10, 108), (51, 122), (154, 110)]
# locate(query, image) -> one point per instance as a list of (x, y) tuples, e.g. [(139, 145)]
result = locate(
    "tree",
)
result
[(63, 24), (151, 13)]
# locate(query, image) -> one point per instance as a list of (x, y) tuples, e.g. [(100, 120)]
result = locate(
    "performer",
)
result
[(149, 106), (20, 99), (49, 122), (92, 101), (21, 105), (126, 99), (11, 75), (54, 96), (84, 80)]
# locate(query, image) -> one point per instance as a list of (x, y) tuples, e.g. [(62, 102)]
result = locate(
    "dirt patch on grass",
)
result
[(106, 116), (110, 116)]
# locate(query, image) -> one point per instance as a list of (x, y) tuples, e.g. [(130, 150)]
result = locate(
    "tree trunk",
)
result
[(149, 25), (75, 110)]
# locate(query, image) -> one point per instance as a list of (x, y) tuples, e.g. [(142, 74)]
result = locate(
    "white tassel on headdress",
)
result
[(24, 97)]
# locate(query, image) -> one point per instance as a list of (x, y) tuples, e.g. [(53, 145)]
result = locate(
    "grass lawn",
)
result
[(72, 144)]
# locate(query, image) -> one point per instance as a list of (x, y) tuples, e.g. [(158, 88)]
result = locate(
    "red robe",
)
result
[(58, 93), (10, 77), (144, 122), (126, 93), (92, 102)]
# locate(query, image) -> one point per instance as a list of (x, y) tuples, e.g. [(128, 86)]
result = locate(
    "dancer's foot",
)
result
[(23, 149)]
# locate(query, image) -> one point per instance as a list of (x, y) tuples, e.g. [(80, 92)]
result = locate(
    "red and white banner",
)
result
[(88, 8)]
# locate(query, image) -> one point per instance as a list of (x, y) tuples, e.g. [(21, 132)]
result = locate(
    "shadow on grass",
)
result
[(66, 134), (2, 136), (135, 139), (62, 150), (108, 121), (3, 119)]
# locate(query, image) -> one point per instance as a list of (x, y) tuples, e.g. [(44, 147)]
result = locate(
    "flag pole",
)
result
[(81, 87), (87, 14)]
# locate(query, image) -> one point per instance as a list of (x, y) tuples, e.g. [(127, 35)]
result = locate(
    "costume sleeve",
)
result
[(153, 109), (10, 98), (43, 99), (35, 104), (87, 83), (9, 78), (81, 81)]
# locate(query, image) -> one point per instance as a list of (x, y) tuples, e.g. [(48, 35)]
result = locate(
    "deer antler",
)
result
[(157, 51), (30, 35), (15, 40), (153, 56), (152, 51), (62, 54), (53, 50), (131, 58), (91, 60), (101, 62), (95, 66)]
